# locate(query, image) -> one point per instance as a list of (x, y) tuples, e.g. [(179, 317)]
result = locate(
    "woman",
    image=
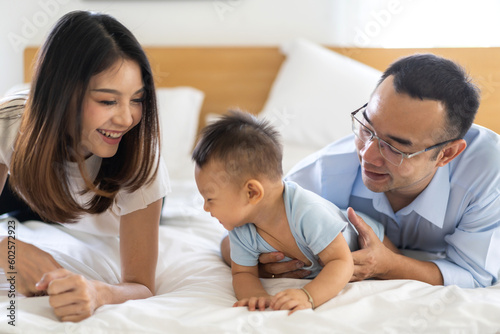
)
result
[(84, 152)]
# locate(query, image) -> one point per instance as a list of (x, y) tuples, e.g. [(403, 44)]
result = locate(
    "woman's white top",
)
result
[(108, 222)]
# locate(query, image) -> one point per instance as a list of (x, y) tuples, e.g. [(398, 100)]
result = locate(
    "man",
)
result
[(416, 165)]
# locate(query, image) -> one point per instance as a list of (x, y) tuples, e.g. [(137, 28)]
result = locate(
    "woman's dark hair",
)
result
[(427, 76), (81, 45), (246, 146)]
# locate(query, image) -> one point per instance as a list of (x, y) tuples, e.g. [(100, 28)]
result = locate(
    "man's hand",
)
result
[(373, 259), (269, 267), (30, 267)]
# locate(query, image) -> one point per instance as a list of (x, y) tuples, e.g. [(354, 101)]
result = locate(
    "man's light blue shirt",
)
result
[(458, 213)]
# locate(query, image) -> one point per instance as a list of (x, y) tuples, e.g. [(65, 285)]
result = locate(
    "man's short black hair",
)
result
[(427, 76)]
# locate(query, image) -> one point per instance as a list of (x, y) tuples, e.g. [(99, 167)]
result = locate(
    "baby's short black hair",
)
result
[(245, 145)]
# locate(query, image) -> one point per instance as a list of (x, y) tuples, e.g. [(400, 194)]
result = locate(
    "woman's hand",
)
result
[(30, 266), (72, 296), (290, 299)]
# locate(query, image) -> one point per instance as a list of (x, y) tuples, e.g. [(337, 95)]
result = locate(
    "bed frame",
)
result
[(242, 76)]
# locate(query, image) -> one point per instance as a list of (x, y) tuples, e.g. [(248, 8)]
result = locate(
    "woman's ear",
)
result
[(254, 191), (451, 151)]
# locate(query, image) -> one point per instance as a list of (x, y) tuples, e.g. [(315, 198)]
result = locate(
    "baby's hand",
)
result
[(255, 303), (290, 299)]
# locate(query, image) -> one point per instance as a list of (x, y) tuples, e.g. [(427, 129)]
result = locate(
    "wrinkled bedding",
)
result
[(194, 292)]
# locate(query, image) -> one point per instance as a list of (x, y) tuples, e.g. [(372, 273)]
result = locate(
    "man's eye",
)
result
[(365, 132), (388, 148)]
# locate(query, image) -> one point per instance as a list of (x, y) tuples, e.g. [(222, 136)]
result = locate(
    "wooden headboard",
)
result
[(242, 76)]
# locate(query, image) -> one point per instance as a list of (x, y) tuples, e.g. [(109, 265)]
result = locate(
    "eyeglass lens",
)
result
[(366, 135)]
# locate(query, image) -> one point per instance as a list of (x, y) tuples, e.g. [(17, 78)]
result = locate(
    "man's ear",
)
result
[(254, 191), (451, 151)]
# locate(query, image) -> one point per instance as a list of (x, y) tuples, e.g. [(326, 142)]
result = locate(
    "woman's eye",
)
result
[(138, 101), (107, 103)]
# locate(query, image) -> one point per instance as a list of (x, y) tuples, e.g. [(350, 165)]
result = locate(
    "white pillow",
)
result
[(314, 93), (179, 110), (292, 153)]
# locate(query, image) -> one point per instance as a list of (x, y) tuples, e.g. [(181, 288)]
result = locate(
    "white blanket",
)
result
[(195, 295)]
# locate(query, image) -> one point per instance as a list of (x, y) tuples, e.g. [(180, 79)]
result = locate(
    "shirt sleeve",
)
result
[(11, 109), (320, 225), (142, 197), (244, 249), (473, 246), (473, 249)]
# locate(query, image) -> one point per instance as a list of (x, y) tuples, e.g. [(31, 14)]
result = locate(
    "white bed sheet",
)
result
[(194, 292)]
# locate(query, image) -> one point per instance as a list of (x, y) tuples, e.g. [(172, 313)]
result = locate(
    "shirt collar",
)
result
[(431, 204)]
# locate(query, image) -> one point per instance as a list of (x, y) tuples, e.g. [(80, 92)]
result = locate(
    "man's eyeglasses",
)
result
[(389, 152)]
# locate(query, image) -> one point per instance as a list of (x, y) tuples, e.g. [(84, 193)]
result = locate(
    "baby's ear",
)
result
[(254, 191)]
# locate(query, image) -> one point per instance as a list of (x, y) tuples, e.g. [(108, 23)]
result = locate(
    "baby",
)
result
[(239, 174)]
